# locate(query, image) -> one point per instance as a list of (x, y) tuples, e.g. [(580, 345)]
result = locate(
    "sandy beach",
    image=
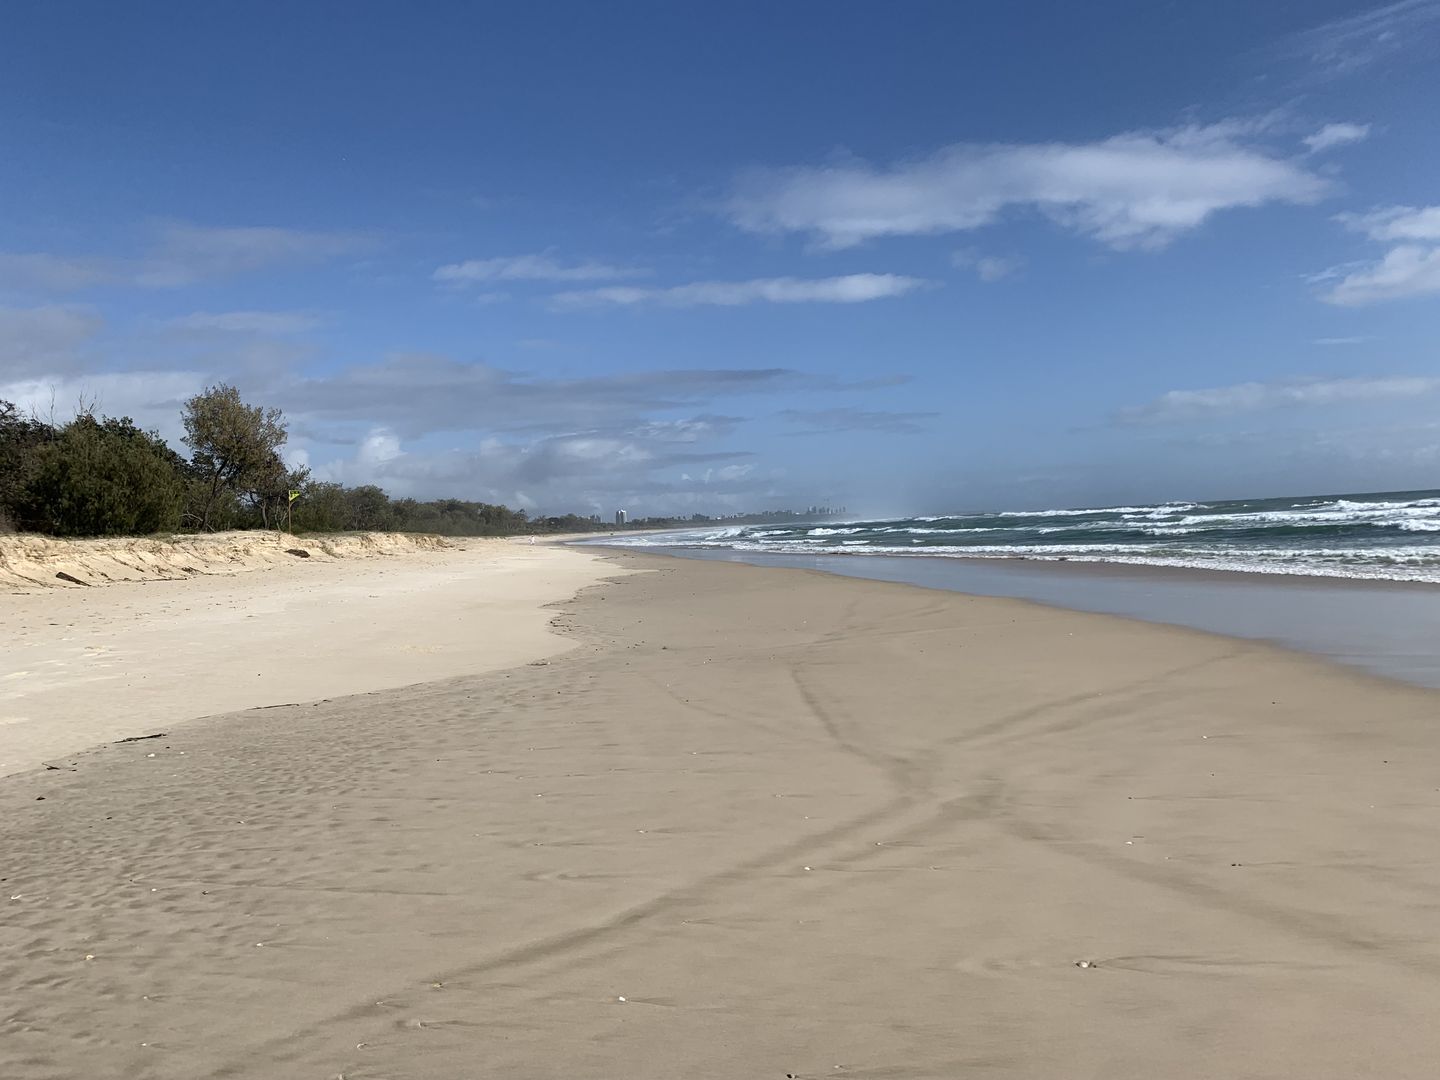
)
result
[(725, 821), (165, 631)]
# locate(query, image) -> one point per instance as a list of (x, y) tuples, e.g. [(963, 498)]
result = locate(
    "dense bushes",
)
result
[(20, 437), (104, 476), (100, 478)]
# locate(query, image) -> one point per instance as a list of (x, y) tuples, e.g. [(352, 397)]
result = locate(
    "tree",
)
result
[(322, 507), (20, 438), (369, 508), (103, 477), (234, 447), (267, 490)]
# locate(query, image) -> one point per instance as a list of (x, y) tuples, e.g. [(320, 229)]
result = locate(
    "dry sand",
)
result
[(756, 823), (220, 623), (29, 561)]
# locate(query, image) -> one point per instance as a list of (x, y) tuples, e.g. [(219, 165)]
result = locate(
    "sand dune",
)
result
[(28, 561), (756, 823)]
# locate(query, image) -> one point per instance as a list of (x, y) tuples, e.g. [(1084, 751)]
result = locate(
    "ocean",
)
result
[(1374, 536)]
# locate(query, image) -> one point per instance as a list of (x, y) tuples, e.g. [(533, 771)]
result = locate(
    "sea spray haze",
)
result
[(1389, 535)]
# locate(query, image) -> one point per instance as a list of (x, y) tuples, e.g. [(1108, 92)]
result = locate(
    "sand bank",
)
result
[(191, 632), (29, 562), (756, 823)]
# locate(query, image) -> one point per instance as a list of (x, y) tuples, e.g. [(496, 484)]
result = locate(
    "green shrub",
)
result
[(102, 478)]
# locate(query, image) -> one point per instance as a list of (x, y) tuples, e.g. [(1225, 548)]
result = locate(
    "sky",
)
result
[(690, 258)]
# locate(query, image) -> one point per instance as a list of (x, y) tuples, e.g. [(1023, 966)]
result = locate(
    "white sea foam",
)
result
[(1334, 537), (1419, 564)]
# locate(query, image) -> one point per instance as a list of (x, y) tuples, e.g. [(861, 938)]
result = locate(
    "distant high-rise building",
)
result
[(621, 517)]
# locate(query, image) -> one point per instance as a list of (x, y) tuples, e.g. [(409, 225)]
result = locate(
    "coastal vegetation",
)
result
[(95, 475), (105, 476)]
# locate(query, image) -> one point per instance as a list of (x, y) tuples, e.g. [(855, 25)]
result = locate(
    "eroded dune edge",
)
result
[(30, 561)]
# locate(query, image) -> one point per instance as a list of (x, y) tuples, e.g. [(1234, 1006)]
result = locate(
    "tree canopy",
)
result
[(235, 451), (101, 477)]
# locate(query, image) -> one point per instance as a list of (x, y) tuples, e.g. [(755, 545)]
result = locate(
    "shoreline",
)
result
[(1380, 626), (752, 822), (1066, 565)]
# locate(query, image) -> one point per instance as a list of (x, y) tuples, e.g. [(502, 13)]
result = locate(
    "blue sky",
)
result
[(681, 257)]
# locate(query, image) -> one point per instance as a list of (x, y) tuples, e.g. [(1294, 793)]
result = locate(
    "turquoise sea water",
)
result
[(1388, 535)]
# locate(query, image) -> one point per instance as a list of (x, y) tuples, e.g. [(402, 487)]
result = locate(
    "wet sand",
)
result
[(754, 823), (1389, 628)]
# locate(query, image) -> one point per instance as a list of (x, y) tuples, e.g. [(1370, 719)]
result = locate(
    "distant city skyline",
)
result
[(707, 258)]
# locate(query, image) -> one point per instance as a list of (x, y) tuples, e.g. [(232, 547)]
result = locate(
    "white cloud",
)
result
[(726, 474), (43, 338), (530, 268), (576, 471), (179, 255), (988, 268), (185, 254), (247, 322), (53, 273), (151, 398), (847, 289), (380, 446), (1136, 190), (1405, 271), (687, 430), (1178, 405), (1410, 268), (1345, 45), (1397, 223), (414, 395), (829, 421), (1336, 135)]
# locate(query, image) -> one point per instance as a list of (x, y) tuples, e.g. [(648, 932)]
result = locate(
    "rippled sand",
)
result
[(754, 823)]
